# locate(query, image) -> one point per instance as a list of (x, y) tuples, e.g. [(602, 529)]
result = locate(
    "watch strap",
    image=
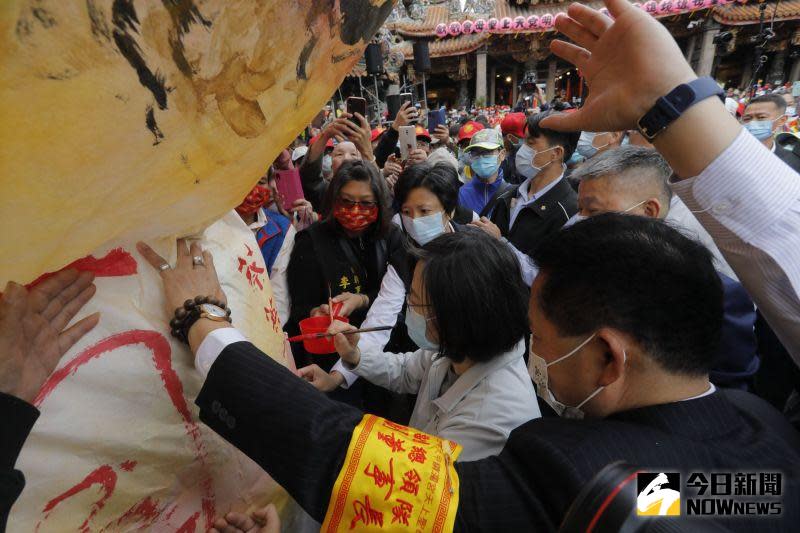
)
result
[(668, 108)]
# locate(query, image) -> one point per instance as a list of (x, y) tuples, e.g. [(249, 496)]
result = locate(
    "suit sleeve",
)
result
[(295, 433), (494, 497), (18, 418)]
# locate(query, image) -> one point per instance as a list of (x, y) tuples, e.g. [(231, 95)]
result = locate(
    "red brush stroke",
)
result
[(190, 525), (115, 263), (146, 510), (128, 466), (162, 360), (103, 476)]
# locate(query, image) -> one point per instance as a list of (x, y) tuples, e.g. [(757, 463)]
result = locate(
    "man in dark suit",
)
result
[(609, 343), (525, 215)]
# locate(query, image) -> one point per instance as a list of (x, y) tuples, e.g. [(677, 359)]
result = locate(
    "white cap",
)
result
[(299, 152)]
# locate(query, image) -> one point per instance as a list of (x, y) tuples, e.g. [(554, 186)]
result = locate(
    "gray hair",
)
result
[(630, 163)]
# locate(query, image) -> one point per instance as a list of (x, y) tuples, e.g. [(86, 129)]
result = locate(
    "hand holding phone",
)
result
[(355, 104), (408, 141)]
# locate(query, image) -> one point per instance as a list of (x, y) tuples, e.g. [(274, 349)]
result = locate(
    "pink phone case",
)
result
[(289, 186)]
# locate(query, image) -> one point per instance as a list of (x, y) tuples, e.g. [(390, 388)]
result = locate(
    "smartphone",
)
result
[(289, 186), (407, 97), (436, 118), (355, 104), (407, 139)]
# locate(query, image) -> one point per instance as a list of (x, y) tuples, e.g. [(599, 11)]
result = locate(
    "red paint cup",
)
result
[(319, 324)]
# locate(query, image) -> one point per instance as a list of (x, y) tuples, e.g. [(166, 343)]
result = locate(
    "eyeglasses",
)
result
[(368, 204)]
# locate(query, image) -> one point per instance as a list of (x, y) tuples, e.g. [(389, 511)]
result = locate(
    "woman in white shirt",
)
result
[(467, 311)]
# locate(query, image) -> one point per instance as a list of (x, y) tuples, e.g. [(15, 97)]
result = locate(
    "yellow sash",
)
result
[(395, 478)]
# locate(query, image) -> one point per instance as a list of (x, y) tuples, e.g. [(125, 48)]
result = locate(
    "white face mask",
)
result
[(524, 161), (537, 368)]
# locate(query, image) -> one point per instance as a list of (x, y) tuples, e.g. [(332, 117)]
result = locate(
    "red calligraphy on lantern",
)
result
[(382, 478), (402, 512), (251, 271), (392, 442), (417, 455), (411, 481), (366, 514)]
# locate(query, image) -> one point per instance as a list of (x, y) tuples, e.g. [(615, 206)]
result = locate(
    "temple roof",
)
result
[(731, 14), (738, 14), (454, 46)]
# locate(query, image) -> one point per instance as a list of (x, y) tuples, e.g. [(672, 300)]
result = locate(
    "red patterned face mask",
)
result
[(258, 198), (355, 218)]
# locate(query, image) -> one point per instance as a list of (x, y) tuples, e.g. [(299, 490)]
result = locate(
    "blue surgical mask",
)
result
[(760, 129), (524, 161), (327, 163), (417, 326), (791, 111), (586, 145), (424, 229), (485, 166)]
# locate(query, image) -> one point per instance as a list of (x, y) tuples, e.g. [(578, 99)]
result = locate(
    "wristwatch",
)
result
[(668, 108), (213, 312)]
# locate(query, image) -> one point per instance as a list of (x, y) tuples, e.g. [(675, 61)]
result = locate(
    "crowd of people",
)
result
[(554, 291)]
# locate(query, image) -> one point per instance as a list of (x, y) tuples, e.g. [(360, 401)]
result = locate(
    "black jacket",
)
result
[(276, 418), (17, 418), (537, 220), (323, 256), (788, 150)]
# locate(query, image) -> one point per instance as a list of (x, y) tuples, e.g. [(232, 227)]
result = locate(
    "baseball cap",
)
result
[(375, 134), (328, 144), (299, 152), (488, 138), (514, 124), (422, 132), (469, 129)]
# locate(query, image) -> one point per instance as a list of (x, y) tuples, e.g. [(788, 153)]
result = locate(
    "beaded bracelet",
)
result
[(189, 313)]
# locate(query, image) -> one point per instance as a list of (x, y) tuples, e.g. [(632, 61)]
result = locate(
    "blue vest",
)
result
[(270, 236)]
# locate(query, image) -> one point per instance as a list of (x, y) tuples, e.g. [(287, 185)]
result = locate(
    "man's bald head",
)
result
[(626, 179)]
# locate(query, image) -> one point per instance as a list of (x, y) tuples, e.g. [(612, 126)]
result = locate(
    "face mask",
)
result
[(760, 129), (577, 217), (417, 326), (791, 111), (537, 367), (258, 197), (424, 229), (355, 218), (524, 161), (327, 164), (485, 166)]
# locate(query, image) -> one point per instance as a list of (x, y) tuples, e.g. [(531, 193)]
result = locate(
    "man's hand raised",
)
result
[(628, 62)]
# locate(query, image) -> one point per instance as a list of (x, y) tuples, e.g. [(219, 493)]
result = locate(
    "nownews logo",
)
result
[(659, 494), (710, 494)]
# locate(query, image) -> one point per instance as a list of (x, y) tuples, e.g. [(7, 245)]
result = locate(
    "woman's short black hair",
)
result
[(366, 172), (440, 179), (474, 287), (568, 140)]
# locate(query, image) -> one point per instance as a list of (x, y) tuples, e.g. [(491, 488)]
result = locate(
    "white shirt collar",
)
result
[(711, 390), (261, 220), (525, 186)]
